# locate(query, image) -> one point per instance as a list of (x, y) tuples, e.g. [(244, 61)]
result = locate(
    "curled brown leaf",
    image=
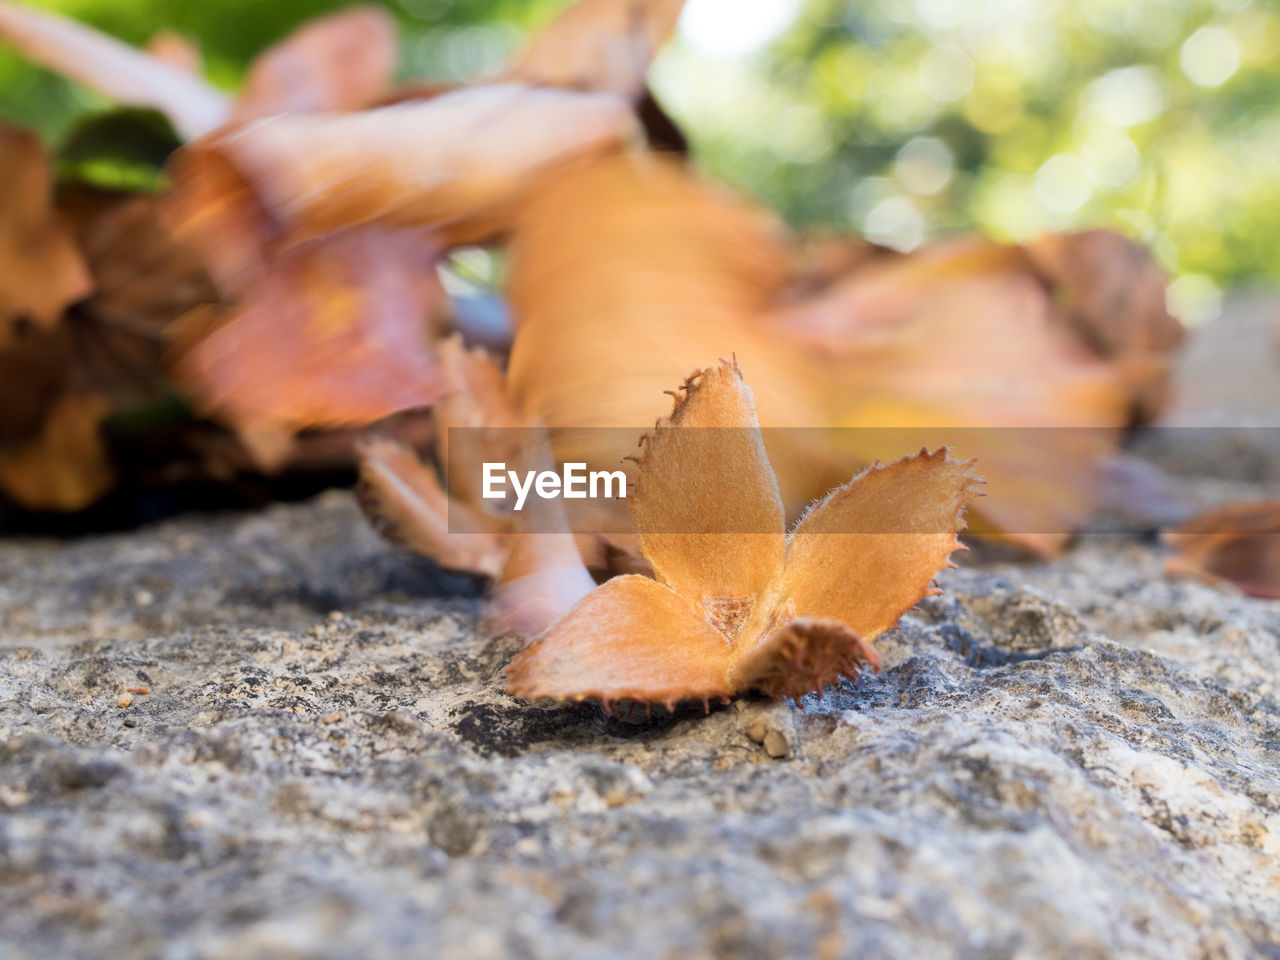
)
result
[(1237, 545), (337, 331), (41, 270)]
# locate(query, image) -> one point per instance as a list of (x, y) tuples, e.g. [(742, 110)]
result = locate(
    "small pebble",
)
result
[(126, 698), (775, 744)]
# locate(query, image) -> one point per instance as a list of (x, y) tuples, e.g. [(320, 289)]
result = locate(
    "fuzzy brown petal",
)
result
[(706, 505), (630, 639), (870, 549), (801, 656)]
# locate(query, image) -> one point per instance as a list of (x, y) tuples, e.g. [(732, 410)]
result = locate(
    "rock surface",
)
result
[(1070, 760)]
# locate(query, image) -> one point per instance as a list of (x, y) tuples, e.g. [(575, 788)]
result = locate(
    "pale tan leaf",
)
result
[(457, 163), (343, 61), (121, 72), (598, 45)]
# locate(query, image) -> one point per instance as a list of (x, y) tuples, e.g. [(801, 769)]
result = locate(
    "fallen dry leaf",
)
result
[(1113, 295), (533, 559), (66, 466), (475, 422), (1236, 545), (336, 331), (343, 61), (406, 503), (41, 270), (961, 337), (140, 275), (121, 72), (457, 163), (626, 271), (537, 574), (604, 45), (737, 604), (103, 355)]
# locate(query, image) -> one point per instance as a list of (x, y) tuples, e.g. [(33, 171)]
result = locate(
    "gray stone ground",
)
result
[(1075, 760)]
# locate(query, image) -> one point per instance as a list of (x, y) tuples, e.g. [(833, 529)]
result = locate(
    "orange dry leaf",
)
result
[(65, 466), (738, 604), (102, 354), (41, 271), (337, 331), (404, 498), (539, 574), (456, 163), (343, 61), (1236, 545), (598, 45), (1113, 295), (142, 279), (961, 337), (116, 69), (625, 272), (406, 503)]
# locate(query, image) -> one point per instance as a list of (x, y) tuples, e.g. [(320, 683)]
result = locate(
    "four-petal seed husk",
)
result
[(736, 603)]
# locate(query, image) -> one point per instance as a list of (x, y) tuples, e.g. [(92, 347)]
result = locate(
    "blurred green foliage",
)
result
[(907, 119), (440, 40), (901, 119)]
